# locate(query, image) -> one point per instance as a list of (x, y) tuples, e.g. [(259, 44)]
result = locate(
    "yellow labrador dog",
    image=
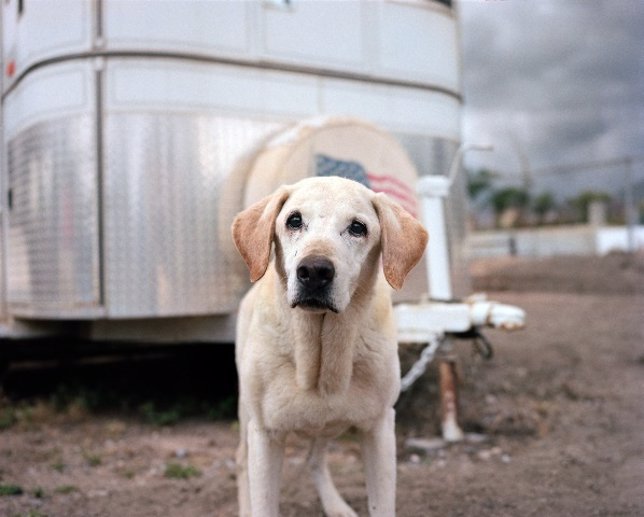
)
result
[(316, 344)]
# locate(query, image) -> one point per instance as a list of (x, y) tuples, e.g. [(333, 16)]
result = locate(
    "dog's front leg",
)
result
[(265, 454), (379, 456), (332, 502)]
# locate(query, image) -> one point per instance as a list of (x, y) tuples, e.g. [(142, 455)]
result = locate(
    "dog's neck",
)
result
[(325, 344), (323, 351)]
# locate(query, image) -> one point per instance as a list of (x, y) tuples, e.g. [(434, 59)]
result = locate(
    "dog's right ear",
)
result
[(253, 230)]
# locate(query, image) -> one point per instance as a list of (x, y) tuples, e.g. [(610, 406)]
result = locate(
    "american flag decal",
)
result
[(393, 187)]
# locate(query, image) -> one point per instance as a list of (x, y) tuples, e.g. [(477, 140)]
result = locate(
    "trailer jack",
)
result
[(442, 319)]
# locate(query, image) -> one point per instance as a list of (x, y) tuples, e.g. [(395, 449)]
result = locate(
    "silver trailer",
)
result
[(134, 131)]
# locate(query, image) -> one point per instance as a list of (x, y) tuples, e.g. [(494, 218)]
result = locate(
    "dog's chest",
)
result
[(308, 412), (286, 407)]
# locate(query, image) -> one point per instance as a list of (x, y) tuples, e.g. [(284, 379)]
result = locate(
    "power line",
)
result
[(587, 166)]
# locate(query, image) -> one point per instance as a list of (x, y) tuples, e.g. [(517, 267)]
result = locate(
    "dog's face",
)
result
[(328, 235)]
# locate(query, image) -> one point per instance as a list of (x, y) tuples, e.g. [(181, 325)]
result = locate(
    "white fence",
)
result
[(561, 240)]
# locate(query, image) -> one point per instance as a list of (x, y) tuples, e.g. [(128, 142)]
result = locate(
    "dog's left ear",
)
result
[(402, 239), (253, 230)]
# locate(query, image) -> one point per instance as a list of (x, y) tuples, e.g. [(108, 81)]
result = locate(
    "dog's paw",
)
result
[(341, 511)]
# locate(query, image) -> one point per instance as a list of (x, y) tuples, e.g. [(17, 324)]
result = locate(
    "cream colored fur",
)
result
[(317, 371)]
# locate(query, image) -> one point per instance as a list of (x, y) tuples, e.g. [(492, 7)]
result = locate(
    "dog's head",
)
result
[(328, 234)]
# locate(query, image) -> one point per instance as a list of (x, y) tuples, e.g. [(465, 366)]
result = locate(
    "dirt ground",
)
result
[(555, 423)]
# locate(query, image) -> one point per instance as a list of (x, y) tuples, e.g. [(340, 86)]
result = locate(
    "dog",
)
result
[(316, 349)]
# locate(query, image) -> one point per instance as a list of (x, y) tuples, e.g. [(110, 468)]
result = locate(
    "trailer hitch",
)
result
[(481, 344)]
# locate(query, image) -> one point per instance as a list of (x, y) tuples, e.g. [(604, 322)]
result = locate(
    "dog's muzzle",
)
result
[(315, 276)]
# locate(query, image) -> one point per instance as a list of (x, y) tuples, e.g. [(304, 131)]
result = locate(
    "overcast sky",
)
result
[(555, 82)]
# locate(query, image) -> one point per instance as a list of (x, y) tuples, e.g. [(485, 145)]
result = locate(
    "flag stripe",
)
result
[(411, 208), (395, 188), (392, 186), (400, 184)]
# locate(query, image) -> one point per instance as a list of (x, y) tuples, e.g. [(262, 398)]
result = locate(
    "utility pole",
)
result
[(629, 205), (524, 163)]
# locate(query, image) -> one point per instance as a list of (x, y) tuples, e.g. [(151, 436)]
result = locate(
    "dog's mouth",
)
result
[(314, 304)]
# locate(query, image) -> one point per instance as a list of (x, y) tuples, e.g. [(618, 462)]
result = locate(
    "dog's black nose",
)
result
[(315, 272)]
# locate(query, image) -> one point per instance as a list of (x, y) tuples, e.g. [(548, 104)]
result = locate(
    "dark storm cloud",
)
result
[(553, 81)]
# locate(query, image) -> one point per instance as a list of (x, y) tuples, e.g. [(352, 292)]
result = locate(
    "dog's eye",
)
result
[(294, 221), (358, 229)]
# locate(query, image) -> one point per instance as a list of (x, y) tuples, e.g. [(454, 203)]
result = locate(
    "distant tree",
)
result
[(479, 183), (582, 201), (542, 205), (509, 197)]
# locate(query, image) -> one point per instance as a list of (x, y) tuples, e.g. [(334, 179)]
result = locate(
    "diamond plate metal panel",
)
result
[(164, 181), (53, 263)]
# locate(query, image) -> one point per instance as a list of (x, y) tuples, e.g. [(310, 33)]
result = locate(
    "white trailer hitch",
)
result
[(441, 319)]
